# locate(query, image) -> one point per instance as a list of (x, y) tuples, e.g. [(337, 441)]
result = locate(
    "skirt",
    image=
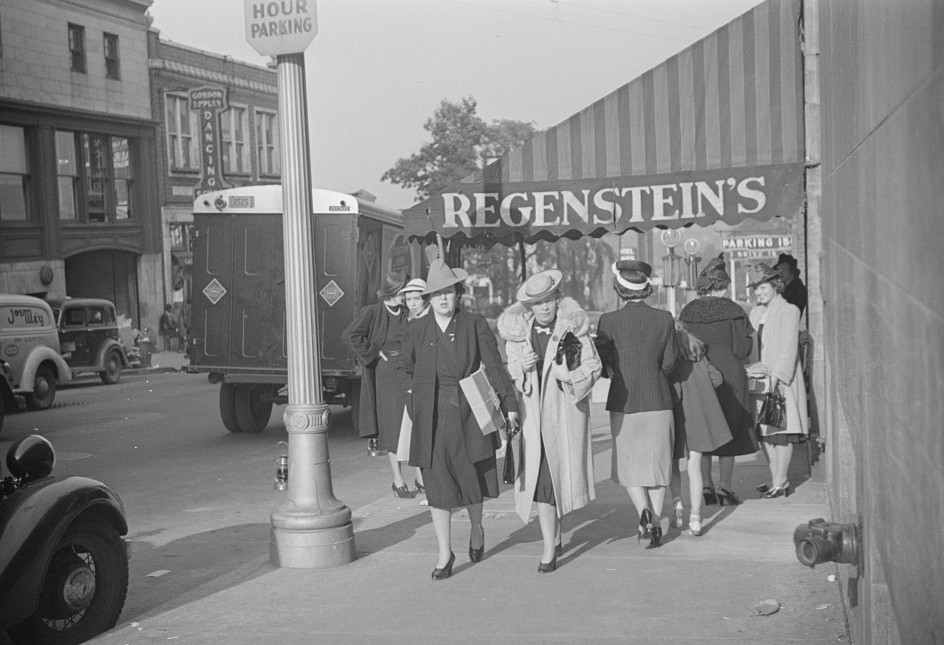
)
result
[(388, 389), (453, 480), (642, 447), (544, 487)]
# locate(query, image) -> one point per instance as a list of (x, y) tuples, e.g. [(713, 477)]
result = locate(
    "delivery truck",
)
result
[(238, 331)]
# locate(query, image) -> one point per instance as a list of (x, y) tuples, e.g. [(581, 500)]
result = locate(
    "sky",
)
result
[(378, 69)]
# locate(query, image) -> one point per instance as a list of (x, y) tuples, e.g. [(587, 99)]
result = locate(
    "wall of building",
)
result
[(882, 118), (41, 27)]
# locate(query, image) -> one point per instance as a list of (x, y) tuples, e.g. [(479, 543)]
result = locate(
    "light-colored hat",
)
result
[(539, 286), (761, 273), (441, 276), (627, 272), (416, 284)]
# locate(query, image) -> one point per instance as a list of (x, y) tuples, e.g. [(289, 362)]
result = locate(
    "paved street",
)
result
[(199, 499)]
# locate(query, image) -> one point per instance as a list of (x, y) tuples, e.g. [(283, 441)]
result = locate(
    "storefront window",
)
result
[(235, 126), (181, 126), (121, 162), (14, 175), (68, 175), (267, 142)]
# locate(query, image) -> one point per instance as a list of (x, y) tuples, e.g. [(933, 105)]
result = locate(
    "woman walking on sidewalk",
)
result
[(722, 325), (376, 336), (700, 426), (637, 346), (458, 461), (778, 358), (557, 474)]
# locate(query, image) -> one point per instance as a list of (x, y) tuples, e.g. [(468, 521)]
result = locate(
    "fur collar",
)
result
[(709, 309), (515, 322)]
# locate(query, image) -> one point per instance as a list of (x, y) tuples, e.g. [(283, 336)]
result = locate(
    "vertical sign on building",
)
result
[(207, 103)]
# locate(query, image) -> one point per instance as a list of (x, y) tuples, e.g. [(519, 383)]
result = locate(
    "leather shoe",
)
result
[(548, 567), (476, 555), (402, 491), (446, 571)]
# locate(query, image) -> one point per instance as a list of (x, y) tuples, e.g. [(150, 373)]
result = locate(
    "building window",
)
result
[(14, 175), (97, 186), (235, 127), (181, 125), (267, 142), (77, 47), (110, 47), (68, 175)]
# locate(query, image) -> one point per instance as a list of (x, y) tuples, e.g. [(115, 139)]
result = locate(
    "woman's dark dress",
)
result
[(724, 327), (453, 480), (544, 487)]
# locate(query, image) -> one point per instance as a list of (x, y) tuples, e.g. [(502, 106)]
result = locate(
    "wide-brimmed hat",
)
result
[(761, 273), (416, 284), (391, 283), (441, 276), (538, 286), (626, 272)]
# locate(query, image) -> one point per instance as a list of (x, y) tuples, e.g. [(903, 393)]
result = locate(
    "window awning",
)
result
[(713, 133)]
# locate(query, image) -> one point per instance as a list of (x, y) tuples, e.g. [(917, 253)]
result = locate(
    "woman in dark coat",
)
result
[(723, 326), (376, 336), (637, 346), (458, 461)]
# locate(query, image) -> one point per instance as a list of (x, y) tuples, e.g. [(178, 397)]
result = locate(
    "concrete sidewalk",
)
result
[(607, 589)]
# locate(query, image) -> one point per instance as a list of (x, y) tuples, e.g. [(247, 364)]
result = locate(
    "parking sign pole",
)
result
[(311, 529)]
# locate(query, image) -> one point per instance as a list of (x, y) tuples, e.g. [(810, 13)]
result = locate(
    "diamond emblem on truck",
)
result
[(214, 291), (331, 293), (369, 252)]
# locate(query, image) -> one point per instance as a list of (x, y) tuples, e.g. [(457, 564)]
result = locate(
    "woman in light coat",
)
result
[(557, 471), (777, 357)]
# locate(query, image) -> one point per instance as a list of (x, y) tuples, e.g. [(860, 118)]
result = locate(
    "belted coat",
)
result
[(475, 345), (558, 411)]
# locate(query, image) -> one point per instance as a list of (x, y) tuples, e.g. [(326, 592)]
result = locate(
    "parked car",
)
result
[(29, 343), (89, 337), (63, 561)]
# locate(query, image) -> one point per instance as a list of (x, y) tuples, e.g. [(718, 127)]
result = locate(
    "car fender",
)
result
[(32, 520), (37, 356), (106, 347)]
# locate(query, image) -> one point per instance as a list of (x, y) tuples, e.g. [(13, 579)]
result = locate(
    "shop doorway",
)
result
[(108, 274)]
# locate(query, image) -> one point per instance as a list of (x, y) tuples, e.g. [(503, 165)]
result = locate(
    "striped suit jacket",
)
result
[(637, 346)]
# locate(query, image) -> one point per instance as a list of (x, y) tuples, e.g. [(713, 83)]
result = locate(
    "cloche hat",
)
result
[(441, 276), (539, 286), (391, 283), (761, 273), (416, 284)]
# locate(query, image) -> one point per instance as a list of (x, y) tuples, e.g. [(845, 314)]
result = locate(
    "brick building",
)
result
[(218, 127), (78, 207)]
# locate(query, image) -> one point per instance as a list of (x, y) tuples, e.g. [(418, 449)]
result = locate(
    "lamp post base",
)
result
[(311, 548)]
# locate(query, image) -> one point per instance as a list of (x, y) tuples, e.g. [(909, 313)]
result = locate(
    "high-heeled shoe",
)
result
[(548, 567), (420, 488), (645, 525), (694, 524), (710, 496), (778, 491), (476, 555), (763, 489), (446, 571), (726, 496), (679, 512), (402, 491), (656, 540)]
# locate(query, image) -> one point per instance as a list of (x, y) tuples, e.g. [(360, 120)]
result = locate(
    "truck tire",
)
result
[(112, 368), (44, 389), (228, 396), (83, 589), (253, 407)]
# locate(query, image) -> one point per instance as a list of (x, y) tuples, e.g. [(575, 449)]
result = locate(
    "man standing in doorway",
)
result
[(168, 329), (794, 290)]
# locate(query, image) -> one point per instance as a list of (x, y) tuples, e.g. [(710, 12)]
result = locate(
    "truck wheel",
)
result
[(112, 369), (44, 389), (83, 590), (253, 407), (228, 396)]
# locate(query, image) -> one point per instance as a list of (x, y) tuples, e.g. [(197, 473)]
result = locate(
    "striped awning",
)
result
[(713, 133)]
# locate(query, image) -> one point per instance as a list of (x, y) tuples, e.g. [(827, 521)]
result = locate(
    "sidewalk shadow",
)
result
[(371, 541)]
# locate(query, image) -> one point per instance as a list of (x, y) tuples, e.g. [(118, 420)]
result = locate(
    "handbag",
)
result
[(569, 349), (773, 410)]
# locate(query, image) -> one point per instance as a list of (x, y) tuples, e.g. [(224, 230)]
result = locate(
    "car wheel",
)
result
[(253, 407), (112, 369), (44, 389), (228, 397), (83, 590)]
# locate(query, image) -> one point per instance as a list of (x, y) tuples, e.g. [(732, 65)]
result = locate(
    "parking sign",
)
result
[(276, 27)]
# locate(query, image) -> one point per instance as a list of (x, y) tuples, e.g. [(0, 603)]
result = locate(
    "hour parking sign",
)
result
[(275, 27)]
